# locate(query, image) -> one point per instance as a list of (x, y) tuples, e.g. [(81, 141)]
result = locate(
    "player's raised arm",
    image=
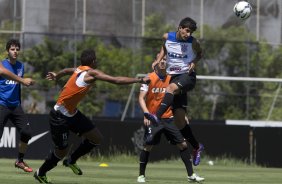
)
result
[(162, 52), (56, 76), (93, 75)]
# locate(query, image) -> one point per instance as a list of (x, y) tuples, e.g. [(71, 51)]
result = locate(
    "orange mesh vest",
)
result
[(73, 93), (155, 94)]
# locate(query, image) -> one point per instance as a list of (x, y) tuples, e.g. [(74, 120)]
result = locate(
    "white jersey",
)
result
[(179, 54)]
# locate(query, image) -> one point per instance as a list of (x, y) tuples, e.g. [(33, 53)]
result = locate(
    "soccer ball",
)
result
[(242, 10)]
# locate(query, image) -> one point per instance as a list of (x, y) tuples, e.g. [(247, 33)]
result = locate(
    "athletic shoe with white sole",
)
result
[(141, 179), (195, 178)]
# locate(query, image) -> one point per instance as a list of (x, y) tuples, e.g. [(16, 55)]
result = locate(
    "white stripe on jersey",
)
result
[(80, 80)]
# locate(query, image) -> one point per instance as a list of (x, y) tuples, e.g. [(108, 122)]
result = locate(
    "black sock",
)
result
[(166, 103), (186, 158), (144, 157), (50, 162), (85, 147), (20, 157), (188, 135)]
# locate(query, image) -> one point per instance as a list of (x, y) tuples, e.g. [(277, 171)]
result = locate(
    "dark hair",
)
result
[(188, 23), (13, 42), (88, 57)]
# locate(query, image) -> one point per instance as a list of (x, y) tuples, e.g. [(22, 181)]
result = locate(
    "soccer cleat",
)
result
[(74, 167), (197, 155), (141, 179), (195, 178), (41, 179), (152, 117), (22, 165)]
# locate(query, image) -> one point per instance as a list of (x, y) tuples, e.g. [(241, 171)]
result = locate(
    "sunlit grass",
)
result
[(123, 169)]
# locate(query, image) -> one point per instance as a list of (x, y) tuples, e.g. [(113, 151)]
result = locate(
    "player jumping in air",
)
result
[(182, 52)]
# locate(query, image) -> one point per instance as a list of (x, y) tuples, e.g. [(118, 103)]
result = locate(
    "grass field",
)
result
[(125, 171)]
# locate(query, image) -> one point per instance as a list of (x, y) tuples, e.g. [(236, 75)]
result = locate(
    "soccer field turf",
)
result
[(157, 173)]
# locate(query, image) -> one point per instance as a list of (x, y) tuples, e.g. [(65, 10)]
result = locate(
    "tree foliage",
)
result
[(54, 55), (234, 52)]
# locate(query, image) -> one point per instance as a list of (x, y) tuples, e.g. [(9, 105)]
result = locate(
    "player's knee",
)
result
[(60, 153), (179, 122), (25, 135), (96, 140), (89, 144), (172, 88), (182, 146), (94, 136), (148, 148)]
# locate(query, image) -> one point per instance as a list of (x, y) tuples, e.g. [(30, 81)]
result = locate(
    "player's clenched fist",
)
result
[(28, 81)]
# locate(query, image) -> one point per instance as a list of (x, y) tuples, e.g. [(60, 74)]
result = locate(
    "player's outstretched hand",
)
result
[(28, 81), (51, 76)]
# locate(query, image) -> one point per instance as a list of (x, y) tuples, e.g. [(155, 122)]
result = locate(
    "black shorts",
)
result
[(60, 125), (16, 115), (153, 133), (185, 81)]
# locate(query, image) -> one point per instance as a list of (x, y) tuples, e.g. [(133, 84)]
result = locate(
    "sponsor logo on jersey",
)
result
[(175, 68), (184, 47), (10, 82), (175, 55), (158, 90)]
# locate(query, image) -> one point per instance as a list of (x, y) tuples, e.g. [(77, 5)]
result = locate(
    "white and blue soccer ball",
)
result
[(242, 10)]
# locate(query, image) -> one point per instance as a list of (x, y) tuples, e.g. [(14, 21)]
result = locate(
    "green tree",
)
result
[(233, 51), (155, 27)]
